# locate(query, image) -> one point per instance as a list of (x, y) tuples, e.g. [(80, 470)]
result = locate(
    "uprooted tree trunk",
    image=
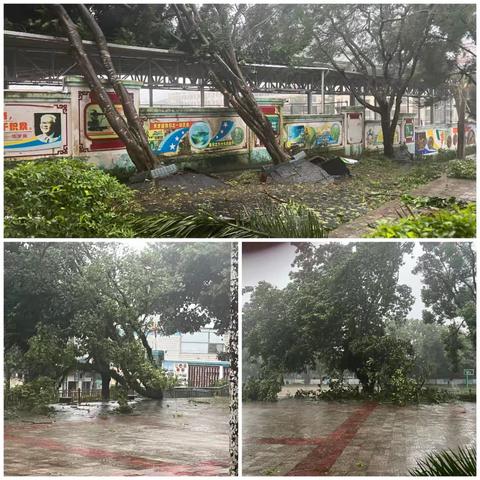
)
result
[(156, 394), (129, 130), (219, 59)]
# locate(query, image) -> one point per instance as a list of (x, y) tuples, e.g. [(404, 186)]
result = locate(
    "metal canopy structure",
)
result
[(32, 59)]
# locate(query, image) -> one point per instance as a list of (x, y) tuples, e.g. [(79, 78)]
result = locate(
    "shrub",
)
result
[(265, 389), (455, 223), (448, 463), (33, 396), (462, 169), (65, 198)]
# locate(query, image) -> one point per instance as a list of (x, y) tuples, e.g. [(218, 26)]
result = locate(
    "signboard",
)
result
[(309, 135), (468, 372), (35, 129), (193, 135)]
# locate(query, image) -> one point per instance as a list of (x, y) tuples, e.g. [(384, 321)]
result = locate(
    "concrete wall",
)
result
[(205, 138)]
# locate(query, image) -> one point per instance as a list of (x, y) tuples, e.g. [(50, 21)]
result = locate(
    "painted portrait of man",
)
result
[(48, 127)]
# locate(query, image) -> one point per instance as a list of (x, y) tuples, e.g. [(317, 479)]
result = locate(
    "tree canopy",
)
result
[(346, 308), (100, 302)]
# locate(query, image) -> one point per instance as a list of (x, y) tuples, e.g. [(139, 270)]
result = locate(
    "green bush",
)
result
[(454, 223), (448, 463), (65, 198), (462, 169), (265, 389), (33, 396)]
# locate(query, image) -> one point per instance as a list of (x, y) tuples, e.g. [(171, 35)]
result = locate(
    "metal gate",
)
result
[(202, 375)]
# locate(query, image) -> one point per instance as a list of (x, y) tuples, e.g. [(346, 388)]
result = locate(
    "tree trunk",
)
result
[(367, 385), (233, 354), (130, 135), (148, 392), (460, 107), (106, 386), (220, 61), (388, 134)]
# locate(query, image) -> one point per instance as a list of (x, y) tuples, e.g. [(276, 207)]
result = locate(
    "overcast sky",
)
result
[(273, 264)]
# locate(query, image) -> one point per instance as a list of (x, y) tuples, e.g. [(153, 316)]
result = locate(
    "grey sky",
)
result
[(274, 264)]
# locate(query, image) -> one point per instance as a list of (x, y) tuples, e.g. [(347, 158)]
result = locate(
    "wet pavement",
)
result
[(169, 437), (304, 438), (442, 187)]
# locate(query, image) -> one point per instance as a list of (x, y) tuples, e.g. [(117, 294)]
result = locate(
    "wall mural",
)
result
[(35, 129), (309, 135), (374, 135), (96, 134), (179, 137)]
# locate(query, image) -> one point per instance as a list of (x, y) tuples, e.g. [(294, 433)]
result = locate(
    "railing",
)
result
[(195, 392)]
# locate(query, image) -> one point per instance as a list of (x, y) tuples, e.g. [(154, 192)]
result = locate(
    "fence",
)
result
[(192, 392)]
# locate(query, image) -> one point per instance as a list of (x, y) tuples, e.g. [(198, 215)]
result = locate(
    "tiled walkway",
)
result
[(173, 437), (299, 437), (442, 187)]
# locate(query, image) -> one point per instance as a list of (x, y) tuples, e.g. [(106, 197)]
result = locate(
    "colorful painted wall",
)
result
[(374, 135), (36, 124), (71, 123), (312, 131), (430, 139)]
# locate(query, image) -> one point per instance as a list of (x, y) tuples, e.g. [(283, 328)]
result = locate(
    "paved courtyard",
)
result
[(304, 438), (442, 187), (173, 437)]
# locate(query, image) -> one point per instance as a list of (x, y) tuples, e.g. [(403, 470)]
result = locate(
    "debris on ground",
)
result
[(296, 171)]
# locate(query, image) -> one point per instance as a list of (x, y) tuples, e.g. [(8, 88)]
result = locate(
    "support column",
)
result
[(202, 95), (150, 86), (351, 103), (323, 91), (451, 110), (309, 102), (432, 113), (445, 112), (226, 103), (419, 110), (408, 104)]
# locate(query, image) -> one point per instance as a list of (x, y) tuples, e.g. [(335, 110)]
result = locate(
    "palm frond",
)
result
[(287, 220), (454, 463)]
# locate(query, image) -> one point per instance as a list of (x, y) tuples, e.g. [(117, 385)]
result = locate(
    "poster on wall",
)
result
[(470, 134), (429, 140), (314, 134), (177, 369), (35, 130), (374, 136), (96, 134), (408, 129), (272, 113), (188, 135), (354, 127)]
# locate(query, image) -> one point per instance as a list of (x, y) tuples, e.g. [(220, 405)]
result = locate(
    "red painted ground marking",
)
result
[(291, 441), (321, 459), (329, 448), (210, 468)]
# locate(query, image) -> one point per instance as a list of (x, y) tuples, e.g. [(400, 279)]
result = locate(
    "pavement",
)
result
[(442, 187), (169, 437), (304, 438)]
